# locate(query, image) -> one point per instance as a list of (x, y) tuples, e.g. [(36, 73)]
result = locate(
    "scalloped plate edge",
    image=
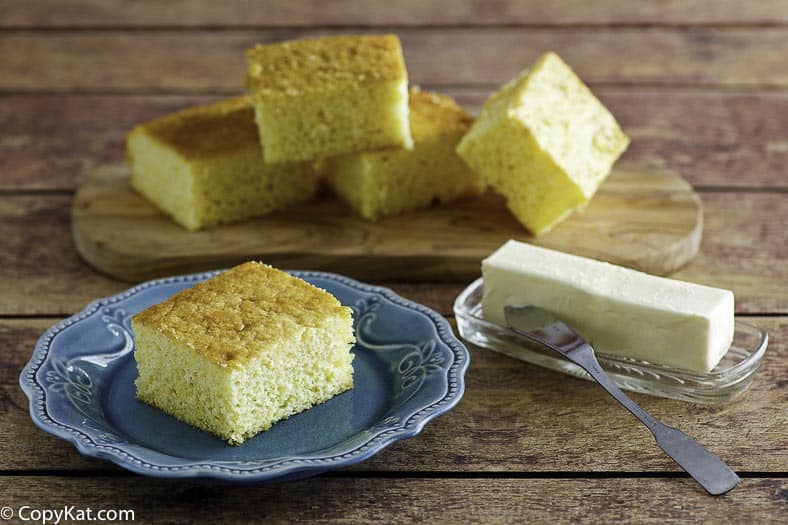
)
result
[(286, 468)]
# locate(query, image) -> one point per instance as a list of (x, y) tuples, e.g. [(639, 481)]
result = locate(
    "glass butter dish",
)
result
[(729, 379)]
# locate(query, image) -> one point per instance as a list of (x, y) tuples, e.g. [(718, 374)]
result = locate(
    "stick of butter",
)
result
[(618, 310)]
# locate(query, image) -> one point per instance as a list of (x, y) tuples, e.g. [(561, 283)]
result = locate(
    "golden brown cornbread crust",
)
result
[(206, 131), (229, 317), (434, 115), (319, 64)]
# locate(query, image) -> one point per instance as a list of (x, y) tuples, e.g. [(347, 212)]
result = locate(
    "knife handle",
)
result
[(707, 469), (584, 357)]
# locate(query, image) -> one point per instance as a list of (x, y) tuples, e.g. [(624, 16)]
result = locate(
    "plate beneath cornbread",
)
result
[(408, 369), (650, 221)]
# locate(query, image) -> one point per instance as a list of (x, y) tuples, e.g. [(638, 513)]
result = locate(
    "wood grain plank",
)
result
[(52, 142), (40, 265), (745, 244), (744, 239), (514, 417), (649, 221), (715, 138), (405, 501), (200, 61), (239, 13)]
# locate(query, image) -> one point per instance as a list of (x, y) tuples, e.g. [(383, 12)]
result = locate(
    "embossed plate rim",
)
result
[(386, 431)]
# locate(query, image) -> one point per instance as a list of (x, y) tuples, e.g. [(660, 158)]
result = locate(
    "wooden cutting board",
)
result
[(648, 221)]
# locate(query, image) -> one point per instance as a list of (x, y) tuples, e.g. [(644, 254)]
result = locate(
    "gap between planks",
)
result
[(700, 86), (472, 87), (405, 13), (419, 474), (212, 60), (450, 316), (95, 28), (66, 192)]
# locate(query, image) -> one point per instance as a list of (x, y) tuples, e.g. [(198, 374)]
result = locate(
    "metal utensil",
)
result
[(542, 327)]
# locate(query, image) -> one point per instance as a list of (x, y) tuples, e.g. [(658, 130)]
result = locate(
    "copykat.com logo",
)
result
[(66, 514)]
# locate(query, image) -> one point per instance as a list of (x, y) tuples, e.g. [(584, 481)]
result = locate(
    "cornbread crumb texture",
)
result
[(434, 115), (544, 142), (203, 166), (314, 65), (200, 132), (236, 353), (227, 318), (328, 96), (393, 180)]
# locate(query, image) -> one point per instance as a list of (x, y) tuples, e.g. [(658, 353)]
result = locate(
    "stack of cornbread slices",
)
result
[(339, 109), (336, 108)]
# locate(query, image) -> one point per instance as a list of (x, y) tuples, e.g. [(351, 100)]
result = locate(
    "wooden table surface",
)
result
[(701, 87)]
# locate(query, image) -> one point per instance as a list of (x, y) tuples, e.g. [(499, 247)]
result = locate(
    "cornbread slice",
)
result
[(203, 166), (328, 96), (394, 180), (238, 352), (544, 142)]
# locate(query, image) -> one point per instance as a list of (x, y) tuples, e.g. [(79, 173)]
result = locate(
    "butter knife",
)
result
[(542, 327)]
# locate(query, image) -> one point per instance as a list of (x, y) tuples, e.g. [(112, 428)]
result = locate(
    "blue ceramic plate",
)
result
[(409, 369)]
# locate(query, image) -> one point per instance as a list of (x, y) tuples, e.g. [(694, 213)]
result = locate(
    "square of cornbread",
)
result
[(394, 180), (203, 166), (238, 352), (544, 142), (328, 96)]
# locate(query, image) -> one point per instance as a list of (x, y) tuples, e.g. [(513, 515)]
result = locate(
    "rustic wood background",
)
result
[(701, 86)]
